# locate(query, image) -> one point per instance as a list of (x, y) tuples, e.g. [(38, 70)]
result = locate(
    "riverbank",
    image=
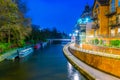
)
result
[(90, 72), (11, 54), (7, 54)]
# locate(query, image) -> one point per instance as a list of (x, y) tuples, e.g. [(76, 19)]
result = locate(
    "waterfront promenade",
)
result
[(87, 70)]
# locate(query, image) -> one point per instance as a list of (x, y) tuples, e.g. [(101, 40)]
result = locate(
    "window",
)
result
[(118, 19), (119, 30), (119, 3), (112, 6), (96, 6), (112, 32)]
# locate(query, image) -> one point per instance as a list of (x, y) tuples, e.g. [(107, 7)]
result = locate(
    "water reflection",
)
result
[(76, 76), (73, 74)]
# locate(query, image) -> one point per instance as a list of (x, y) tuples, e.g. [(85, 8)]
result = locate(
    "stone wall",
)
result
[(109, 65)]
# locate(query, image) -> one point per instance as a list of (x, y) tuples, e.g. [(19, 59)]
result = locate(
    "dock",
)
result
[(12, 57)]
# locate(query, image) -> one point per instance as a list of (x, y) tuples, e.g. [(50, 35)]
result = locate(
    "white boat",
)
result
[(25, 52)]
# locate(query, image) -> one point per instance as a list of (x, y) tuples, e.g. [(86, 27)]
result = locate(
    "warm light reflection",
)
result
[(76, 76), (72, 73), (69, 68)]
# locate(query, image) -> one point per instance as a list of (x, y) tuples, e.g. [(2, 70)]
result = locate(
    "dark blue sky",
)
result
[(61, 14)]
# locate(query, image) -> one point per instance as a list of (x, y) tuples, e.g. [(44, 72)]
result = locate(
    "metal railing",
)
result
[(95, 26), (113, 23), (110, 13)]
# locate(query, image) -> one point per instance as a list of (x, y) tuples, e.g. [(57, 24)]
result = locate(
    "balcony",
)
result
[(113, 24), (118, 23), (109, 13), (95, 26), (94, 17)]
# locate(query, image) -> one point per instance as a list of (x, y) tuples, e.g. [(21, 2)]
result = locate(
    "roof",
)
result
[(103, 2), (86, 12)]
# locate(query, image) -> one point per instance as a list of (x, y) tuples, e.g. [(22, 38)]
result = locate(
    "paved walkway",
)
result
[(98, 75)]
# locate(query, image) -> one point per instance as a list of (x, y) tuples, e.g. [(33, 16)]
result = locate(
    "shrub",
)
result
[(96, 41), (21, 43), (115, 43), (92, 41), (101, 42), (4, 47)]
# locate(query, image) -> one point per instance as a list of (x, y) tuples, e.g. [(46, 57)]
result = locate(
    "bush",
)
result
[(92, 41), (101, 42), (4, 47), (115, 43), (21, 43), (96, 41)]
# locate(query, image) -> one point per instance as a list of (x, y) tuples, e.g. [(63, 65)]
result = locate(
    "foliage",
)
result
[(14, 27), (4, 47), (95, 41), (101, 42), (21, 43), (115, 43), (8, 13), (39, 34)]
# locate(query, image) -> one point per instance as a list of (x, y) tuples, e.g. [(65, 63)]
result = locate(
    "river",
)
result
[(44, 64)]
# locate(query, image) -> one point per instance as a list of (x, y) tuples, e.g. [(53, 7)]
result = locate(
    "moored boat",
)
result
[(25, 52), (37, 46)]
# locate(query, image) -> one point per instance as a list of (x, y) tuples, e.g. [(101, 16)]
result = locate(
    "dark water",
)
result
[(45, 64)]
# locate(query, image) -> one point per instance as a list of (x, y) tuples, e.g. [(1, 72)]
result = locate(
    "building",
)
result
[(82, 22), (113, 15), (106, 20)]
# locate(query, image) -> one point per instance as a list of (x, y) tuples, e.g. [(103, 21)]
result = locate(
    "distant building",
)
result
[(84, 19)]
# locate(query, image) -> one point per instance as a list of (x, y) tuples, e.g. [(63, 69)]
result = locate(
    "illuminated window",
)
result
[(119, 30), (113, 6), (119, 3), (95, 33), (112, 32), (118, 19)]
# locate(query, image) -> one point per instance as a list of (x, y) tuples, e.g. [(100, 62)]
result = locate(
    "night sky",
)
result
[(62, 14)]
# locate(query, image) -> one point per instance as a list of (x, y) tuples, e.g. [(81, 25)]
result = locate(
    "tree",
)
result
[(11, 23), (8, 17)]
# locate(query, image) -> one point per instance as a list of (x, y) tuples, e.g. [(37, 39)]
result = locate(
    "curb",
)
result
[(82, 71)]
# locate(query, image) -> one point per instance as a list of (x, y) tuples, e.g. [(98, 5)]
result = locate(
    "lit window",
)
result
[(119, 30), (119, 3), (113, 6), (118, 18), (112, 32)]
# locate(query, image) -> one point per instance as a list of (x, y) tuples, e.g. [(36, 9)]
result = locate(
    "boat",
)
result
[(25, 52), (37, 46)]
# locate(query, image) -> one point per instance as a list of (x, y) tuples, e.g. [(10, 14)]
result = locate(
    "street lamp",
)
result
[(76, 31), (70, 34)]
